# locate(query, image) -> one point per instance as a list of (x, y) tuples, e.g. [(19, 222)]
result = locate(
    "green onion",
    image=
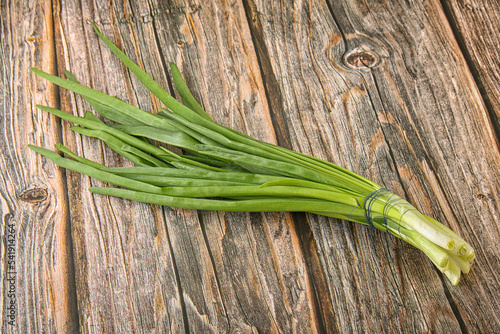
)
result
[(223, 169)]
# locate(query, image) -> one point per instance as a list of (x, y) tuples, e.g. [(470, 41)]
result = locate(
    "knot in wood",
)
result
[(361, 58), (34, 195), (146, 18), (481, 196)]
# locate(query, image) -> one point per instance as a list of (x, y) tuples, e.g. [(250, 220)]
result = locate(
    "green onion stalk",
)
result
[(223, 169)]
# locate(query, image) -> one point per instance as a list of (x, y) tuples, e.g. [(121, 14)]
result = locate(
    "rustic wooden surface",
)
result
[(403, 92), (479, 40)]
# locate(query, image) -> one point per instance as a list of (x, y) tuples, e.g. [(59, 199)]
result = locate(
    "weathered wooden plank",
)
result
[(475, 24), (441, 140), (125, 273), (37, 293), (383, 89), (238, 272)]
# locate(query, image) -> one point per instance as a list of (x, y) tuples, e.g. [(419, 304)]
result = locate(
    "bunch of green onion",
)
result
[(223, 169)]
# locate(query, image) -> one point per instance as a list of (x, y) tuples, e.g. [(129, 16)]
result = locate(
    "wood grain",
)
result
[(257, 288), (38, 292), (125, 272), (402, 105), (475, 24), (381, 87)]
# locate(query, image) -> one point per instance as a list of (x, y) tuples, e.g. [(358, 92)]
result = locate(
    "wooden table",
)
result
[(406, 93)]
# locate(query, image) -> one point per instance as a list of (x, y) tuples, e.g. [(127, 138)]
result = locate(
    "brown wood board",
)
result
[(391, 90)]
